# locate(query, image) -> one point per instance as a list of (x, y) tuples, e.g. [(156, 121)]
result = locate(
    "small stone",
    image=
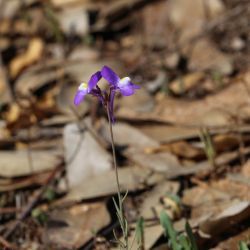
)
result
[(237, 44), (172, 60)]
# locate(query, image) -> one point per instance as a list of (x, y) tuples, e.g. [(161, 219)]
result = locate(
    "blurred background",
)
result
[(182, 140)]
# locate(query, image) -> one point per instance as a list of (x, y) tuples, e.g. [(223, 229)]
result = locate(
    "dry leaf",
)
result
[(5, 92), (32, 55), (65, 3), (187, 82), (13, 114), (232, 242), (213, 110), (213, 59), (229, 217), (17, 163), (233, 186), (85, 158), (25, 182), (74, 20), (189, 18), (205, 201), (161, 162), (246, 169), (153, 198), (167, 134), (131, 179), (126, 135), (181, 149), (73, 227)]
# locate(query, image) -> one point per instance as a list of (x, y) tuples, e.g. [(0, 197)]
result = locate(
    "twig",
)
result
[(9, 210), (6, 244), (10, 95), (100, 141), (29, 153), (33, 202)]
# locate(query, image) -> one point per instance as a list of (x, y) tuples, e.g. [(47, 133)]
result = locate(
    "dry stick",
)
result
[(9, 210), (241, 147), (33, 202), (29, 152), (6, 244), (100, 141)]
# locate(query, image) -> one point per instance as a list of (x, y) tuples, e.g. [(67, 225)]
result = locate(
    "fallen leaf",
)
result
[(181, 149), (153, 199), (85, 158), (215, 8), (213, 59), (233, 186), (126, 135), (213, 110), (16, 163), (167, 134), (13, 114), (78, 224), (186, 82), (32, 55), (246, 169), (142, 102), (155, 27), (205, 201), (161, 162), (231, 216), (225, 142), (189, 18), (131, 179), (232, 242), (9, 9), (65, 3), (20, 183), (74, 20), (5, 91)]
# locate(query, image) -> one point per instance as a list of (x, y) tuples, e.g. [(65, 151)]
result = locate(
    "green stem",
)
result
[(114, 157), (123, 222)]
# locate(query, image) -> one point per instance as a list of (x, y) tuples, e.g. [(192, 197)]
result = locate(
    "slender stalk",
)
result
[(31, 166), (120, 199), (114, 156)]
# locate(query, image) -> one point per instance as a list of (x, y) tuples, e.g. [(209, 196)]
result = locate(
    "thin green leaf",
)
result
[(125, 196), (116, 206), (184, 242), (139, 233), (169, 230), (243, 246), (191, 236)]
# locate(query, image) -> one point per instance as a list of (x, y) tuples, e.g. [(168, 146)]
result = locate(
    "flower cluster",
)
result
[(116, 84)]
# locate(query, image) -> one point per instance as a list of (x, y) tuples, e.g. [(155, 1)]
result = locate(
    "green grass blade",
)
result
[(191, 236), (243, 246), (139, 233), (184, 242), (169, 230)]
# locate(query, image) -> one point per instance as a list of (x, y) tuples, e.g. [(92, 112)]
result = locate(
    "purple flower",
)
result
[(88, 88), (124, 85)]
